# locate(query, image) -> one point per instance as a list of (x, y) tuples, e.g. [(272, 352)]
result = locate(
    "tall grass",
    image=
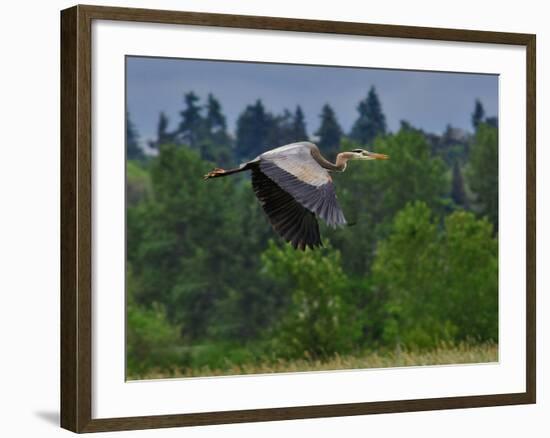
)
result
[(442, 355)]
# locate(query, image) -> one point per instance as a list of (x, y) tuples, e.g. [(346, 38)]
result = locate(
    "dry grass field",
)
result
[(443, 355)]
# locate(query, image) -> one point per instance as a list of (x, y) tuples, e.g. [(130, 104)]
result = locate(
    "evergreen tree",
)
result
[(215, 142), (215, 120), (163, 136), (133, 149), (280, 129), (286, 128), (492, 121), (329, 132), (190, 127), (371, 121), (458, 194), (482, 172), (452, 145), (478, 115), (405, 125), (299, 125), (253, 126)]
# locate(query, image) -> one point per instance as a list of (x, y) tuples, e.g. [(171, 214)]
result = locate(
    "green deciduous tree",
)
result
[(138, 183), (439, 285), (371, 121), (372, 192), (471, 276), (172, 257), (151, 340), (194, 249), (405, 270), (320, 319)]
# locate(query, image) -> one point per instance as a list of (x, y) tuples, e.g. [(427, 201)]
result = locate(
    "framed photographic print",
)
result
[(269, 218)]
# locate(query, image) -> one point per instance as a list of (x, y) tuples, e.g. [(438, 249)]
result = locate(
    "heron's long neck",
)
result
[(341, 161)]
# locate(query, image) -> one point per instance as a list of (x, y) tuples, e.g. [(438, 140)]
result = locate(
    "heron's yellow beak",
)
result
[(378, 156)]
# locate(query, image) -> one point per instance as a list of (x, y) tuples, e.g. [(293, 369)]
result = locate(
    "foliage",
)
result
[(458, 192), (372, 193), (453, 145), (150, 337), (320, 320), (439, 285), (482, 172), (138, 183), (471, 276), (186, 232)]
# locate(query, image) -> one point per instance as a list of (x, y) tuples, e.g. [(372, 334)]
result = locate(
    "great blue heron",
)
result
[(293, 185)]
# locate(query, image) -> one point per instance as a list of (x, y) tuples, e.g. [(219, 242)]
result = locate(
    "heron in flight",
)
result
[(293, 185)]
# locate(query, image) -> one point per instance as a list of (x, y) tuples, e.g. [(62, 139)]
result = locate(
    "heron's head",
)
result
[(361, 154)]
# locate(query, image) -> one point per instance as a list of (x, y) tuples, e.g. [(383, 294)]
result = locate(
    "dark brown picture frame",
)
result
[(76, 218)]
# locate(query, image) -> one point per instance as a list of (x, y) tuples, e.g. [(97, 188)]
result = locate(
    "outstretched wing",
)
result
[(295, 170), (291, 220)]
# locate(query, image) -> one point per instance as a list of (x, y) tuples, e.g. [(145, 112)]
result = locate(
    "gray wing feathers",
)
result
[(319, 199), (296, 159), (291, 220)]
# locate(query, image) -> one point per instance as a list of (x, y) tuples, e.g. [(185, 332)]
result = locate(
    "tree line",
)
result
[(209, 284), (204, 128)]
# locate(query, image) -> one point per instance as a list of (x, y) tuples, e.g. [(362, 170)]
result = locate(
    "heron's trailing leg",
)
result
[(214, 173), (222, 172)]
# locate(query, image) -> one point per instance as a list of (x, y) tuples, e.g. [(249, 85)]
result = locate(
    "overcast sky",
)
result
[(428, 100)]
